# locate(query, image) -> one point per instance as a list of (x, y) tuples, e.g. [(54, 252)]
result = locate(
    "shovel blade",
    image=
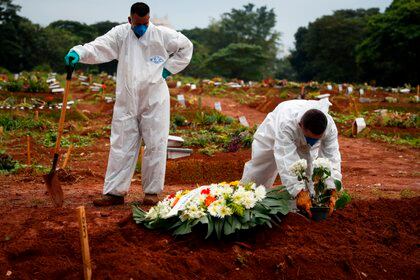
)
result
[(54, 188)]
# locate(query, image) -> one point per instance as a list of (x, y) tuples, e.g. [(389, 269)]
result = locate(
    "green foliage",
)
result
[(325, 50), (239, 60), (248, 31), (389, 51), (77, 140), (11, 122), (7, 164)]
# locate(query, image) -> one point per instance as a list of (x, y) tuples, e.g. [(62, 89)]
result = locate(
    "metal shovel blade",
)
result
[(53, 184), (54, 188)]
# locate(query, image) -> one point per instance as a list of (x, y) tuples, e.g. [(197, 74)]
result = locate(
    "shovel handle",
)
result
[(69, 70)]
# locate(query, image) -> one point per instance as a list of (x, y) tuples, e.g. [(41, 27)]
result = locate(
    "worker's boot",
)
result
[(109, 200), (150, 199)]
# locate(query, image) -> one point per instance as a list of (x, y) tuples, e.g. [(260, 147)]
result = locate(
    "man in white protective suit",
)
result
[(296, 129), (146, 55)]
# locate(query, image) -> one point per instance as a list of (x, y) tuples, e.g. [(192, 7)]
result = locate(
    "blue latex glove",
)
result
[(166, 73), (74, 58)]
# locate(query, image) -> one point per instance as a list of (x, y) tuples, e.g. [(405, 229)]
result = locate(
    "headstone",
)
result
[(193, 87), (82, 78), (243, 121), (405, 90), (329, 87), (218, 106), (54, 86), (349, 90), (361, 91), (340, 87), (358, 125), (175, 141), (322, 96), (181, 99), (84, 83), (97, 85), (56, 90), (365, 100), (174, 153), (178, 84), (95, 88), (51, 80)]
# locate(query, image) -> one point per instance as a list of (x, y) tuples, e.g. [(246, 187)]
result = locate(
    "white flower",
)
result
[(216, 190), (223, 211), (322, 163), (260, 193), (249, 200), (192, 211), (152, 214), (219, 209), (227, 190), (159, 211), (245, 198), (299, 168)]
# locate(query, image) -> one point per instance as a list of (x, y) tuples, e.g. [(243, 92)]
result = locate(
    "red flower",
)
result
[(171, 196), (205, 191)]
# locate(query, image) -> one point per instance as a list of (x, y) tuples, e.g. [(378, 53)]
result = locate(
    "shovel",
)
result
[(51, 179)]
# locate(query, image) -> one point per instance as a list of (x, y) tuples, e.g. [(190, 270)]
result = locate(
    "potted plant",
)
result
[(320, 176)]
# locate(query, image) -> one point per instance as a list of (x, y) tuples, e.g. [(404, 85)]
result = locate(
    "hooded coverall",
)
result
[(279, 142), (141, 110)]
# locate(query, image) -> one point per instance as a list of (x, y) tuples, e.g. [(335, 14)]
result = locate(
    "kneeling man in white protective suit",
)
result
[(146, 55), (296, 129)]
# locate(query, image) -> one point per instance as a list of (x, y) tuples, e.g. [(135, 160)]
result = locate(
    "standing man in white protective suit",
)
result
[(146, 55), (296, 129)]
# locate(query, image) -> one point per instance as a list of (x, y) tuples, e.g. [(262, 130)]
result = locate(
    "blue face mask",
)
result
[(311, 141), (139, 30)]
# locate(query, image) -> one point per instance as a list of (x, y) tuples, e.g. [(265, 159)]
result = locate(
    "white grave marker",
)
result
[(218, 106), (243, 121), (181, 99)]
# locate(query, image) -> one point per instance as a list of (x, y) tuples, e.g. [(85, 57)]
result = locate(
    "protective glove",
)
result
[(303, 202), (333, 199), (72, 58), (166, 73)]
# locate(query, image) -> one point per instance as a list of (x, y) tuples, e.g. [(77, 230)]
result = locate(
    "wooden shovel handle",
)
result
[(62, 118), (63, 109)]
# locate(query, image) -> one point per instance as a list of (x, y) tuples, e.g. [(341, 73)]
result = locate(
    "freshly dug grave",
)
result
[(373, 239)]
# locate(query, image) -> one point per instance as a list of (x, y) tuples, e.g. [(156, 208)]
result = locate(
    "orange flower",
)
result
[(209, 200), (175, 201)]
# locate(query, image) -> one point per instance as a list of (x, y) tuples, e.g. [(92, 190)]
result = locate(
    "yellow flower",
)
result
[(234, 183)]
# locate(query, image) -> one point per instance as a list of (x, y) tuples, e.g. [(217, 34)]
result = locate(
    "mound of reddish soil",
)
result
[(369, 239)]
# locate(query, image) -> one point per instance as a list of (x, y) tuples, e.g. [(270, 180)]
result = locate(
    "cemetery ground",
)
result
[(375, 237)]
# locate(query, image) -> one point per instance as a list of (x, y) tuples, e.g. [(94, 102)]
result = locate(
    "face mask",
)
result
[(139, 30), (311, 141)]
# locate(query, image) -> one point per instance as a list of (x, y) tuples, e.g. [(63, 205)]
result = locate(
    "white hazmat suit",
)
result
[(279, 142), (141, 110)]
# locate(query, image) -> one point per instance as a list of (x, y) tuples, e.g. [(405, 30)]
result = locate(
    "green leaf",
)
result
[(183, 229), (338, 185), (343, 200), (228, 226), (218, 226), (210, 226)]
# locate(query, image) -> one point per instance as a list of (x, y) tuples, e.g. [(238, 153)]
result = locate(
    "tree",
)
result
[(325, 50), (284, 69), (240, 60), (389, 53)]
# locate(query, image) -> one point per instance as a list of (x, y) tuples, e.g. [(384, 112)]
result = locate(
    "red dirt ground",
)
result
[(372, 238)]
